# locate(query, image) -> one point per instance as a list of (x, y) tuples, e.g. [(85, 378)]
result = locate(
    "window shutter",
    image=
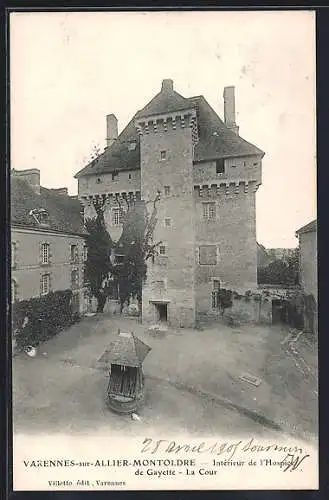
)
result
[(41, 281), (50, 254), (208, 255), (40, 252)]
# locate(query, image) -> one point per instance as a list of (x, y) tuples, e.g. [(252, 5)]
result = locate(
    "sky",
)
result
[(68, 70)]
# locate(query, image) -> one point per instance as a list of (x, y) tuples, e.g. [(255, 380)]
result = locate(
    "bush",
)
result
[(46, 316)]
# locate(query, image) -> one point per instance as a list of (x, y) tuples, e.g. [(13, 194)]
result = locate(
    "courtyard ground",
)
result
[(192, 380)]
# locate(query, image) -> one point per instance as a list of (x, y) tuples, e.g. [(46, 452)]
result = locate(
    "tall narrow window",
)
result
[(209, 211), (167, 221), (45, 253), (85, 253), (75, 279), (167, 190), (13, 291), (214, 300), (74, 256), (45, 284), (162, 250), (220, 166), (163, 155), (13, 254), (116, 216)]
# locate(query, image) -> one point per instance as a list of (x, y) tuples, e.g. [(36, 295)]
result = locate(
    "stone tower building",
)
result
[(207, 176)]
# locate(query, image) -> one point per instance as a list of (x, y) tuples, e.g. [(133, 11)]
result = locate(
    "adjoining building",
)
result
[(207, 176), (307, 238), (47, 240)]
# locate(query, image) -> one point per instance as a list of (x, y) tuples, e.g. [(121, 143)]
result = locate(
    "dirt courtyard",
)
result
[(192, 379)]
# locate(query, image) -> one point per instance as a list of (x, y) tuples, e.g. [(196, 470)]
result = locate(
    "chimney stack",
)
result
[(167, 85), (229, 109), (31, 176), (111, 130)]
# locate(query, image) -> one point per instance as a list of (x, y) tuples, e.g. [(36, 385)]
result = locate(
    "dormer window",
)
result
[(40, 215)]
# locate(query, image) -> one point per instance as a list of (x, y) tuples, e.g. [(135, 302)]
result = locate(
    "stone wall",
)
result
[(233, 231), (246, 168), (308, 263), (125, 181), (167, 166)]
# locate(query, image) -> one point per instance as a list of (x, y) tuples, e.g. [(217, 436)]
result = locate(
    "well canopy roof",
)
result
[(125, 349)]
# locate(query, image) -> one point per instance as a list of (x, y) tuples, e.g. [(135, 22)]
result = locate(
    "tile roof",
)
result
[(308, 228), (64, 212), (165, 101), (215, 139), (118, 156)]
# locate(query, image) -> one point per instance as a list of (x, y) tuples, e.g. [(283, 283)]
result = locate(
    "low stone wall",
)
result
[(253, 308), (248, 307)]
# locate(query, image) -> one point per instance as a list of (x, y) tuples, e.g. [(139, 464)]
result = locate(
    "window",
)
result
[(131, 146), (85, 253), (167, 221), (215, 300), (116, 216), (159, 285), (115, 176), (119, 259), (75, 279), (13, 291), (99, 180), (163, 155), (13, 254), (43, 217), (45, 253), (220, 166), (40, 215), (45, 284), (216, 285), (167, 190), (74, 253), (208, 255), (162, 250), (209, 211), (129, 176)]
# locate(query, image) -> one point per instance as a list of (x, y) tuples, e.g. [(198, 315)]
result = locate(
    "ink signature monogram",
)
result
[(293, 462)]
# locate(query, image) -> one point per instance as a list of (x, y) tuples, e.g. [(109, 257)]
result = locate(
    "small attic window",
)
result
[(40, 215)]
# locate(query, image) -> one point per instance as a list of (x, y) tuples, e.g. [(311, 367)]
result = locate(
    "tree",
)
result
[(281, 273), (98, 264), (135, 247)]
